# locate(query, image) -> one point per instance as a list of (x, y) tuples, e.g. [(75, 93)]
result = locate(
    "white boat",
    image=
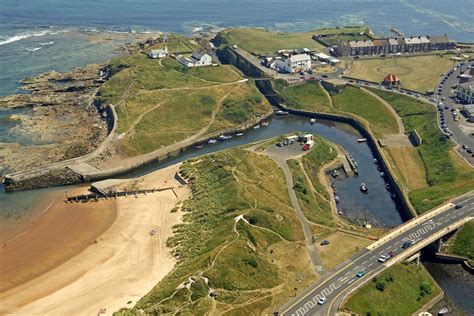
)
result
[(361, 140), (363, 188), (382, 174), (312, 121), (212, 141), (265, 124), (225, 137), (376, 161), (256, 126), (336, 198), (281, 113), (239, 134)]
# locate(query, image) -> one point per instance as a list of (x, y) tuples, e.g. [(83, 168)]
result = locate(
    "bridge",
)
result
[(421, 231)]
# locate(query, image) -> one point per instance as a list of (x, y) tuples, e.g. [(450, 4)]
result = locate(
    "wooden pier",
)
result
[(98, 196)]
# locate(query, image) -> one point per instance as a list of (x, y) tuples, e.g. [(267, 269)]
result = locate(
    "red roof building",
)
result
[(391, 80)]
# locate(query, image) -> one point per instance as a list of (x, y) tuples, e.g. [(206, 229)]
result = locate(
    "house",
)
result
[(294, 63), (159, 53), (327, 59), (391, 80), (465, 92), (199, 58)]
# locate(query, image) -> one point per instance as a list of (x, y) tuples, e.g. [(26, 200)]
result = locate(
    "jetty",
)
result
[(116, 194)]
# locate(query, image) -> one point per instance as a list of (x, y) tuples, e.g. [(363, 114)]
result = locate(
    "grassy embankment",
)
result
[(420, 73), (463, 243), (400, 290), (310, 96), (258, 41), (252, 266), (445, 174), (153, 99)]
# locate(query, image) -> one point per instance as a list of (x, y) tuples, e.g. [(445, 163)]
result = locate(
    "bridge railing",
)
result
[(425, 242), (411, 223)]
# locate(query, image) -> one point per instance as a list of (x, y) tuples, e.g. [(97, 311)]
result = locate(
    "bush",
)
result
[(380, 286), (425, 288)]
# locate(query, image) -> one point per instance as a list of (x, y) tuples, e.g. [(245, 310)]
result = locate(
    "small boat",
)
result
[(355, 163), (312, 121), (281, 113), (387, 186), (361, 140), (225, 137), (356, 172), (336, 198), (335, 173), (265, 124), (199, 146), (256, 126), (212, 141), (239, 134), (382, 174), (376, 161), (363, 188), (334, 190)]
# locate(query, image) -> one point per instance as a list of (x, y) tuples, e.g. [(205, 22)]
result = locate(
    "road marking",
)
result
[(351, 281), (372, 257), (370, 265)]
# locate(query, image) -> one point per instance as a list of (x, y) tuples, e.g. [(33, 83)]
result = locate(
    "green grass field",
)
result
[(446, 176), (419, 73), (153, 99), (360, 103), (463, 243), (258, 41), (406, 288), (308, 96), (236, 257)]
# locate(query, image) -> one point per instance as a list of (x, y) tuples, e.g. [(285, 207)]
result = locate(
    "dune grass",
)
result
[(235, 257), (446, 176), (407, 287), (420, 73)]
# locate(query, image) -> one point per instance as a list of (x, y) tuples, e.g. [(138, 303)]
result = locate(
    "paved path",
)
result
[(280, 155), (336, 286)]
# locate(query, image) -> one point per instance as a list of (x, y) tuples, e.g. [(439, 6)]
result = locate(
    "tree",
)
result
[(380, 286)]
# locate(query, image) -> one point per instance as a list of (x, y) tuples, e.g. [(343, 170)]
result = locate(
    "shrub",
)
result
[(380, 286)]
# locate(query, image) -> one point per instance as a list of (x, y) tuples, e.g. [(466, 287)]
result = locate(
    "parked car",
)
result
[(458, 206), (325, 242)]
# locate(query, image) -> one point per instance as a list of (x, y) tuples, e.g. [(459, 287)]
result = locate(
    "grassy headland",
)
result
[(420, 73), (153, 99), (224, 255), (259, 41), (446, 174), (400, 290)]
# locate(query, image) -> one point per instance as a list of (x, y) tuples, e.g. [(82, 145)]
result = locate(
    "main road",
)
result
[(334, 287)]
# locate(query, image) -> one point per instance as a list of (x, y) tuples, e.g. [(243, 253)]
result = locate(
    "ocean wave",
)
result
[(32, 50), (47, 43), (26, 35)]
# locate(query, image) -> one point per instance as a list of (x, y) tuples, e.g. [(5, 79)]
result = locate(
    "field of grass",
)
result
[(153, 99), (463, 243), (258, 41), (308, 96), (263, 255), (419, 73), (446, 175), (360, 103), (409, 165), (406, 288), (341, 247)]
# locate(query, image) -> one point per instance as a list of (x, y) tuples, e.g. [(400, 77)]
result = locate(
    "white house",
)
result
[(198, 59), (294, 63), (159, 53)]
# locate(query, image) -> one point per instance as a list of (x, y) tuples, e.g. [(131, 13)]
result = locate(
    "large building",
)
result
[(465, 92), (394, 45), (199, 58), (294, 63)]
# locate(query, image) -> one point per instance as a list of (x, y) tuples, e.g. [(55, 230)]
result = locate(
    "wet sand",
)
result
[(119, 260)]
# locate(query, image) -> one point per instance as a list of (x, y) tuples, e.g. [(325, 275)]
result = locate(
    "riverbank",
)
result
[(78, 251)]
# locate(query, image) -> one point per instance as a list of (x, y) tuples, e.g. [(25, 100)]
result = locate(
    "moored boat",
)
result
[(256, 126), (281, 113), (363, 188), (361, 140), (199, 146), (312, 121), (212, 141), (225, 137), (265, 124), (239, 134)]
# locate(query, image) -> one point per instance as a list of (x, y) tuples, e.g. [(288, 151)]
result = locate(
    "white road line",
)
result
[(372, 257), (370, 265), (350, 282)]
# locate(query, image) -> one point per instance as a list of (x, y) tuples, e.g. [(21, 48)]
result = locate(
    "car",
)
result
[(446, 107), (464, 146), (469, 151), (325, 76), (406, 245), (302, 73), (383, 258), (279, 144), (324, 242), (321, 300), (391, 254), (360, 274), (458, 206)]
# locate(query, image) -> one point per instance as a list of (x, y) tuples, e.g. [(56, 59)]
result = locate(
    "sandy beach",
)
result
[(97, 256)]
